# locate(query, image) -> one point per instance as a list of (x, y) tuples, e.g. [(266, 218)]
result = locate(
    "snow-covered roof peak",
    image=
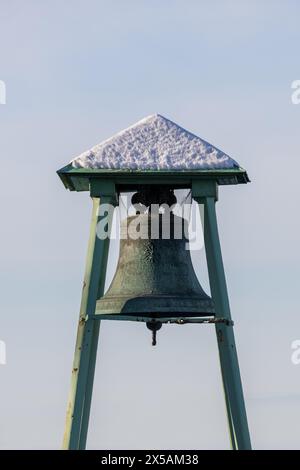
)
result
[(154, 143)]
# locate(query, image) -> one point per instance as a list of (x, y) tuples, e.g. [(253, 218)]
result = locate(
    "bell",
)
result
[(155, 280)]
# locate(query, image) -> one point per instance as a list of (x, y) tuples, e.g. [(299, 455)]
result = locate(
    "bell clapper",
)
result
[(154, 326), (154, 338)]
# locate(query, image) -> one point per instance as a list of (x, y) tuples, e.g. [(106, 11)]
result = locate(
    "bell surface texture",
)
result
[(154, 277)]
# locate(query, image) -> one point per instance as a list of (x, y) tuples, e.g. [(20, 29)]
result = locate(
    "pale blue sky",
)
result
[(76, 72)]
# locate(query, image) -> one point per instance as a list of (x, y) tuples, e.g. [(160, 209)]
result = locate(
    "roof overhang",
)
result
[(78, 179)]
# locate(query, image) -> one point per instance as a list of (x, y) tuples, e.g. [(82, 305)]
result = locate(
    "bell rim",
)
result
[(164, 304)]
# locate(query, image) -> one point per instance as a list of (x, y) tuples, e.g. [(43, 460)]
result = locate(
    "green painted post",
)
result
[(79, 402), (86, 406), (206, 193), (94, 347)]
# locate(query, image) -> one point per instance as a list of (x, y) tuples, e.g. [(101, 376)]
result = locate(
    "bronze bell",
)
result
[(155, 280)]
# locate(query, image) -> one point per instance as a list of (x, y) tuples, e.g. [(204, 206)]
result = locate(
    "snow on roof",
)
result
[(155, 143)]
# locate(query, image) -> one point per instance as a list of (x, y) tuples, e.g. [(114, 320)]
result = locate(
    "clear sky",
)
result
[(78, 71)]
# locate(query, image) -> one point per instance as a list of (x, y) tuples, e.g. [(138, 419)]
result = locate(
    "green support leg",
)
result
[(79, 402), (236, 411), (89, 387), (94, 347)]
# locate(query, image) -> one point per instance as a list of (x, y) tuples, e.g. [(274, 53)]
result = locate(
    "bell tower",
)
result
[(155, 282)]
